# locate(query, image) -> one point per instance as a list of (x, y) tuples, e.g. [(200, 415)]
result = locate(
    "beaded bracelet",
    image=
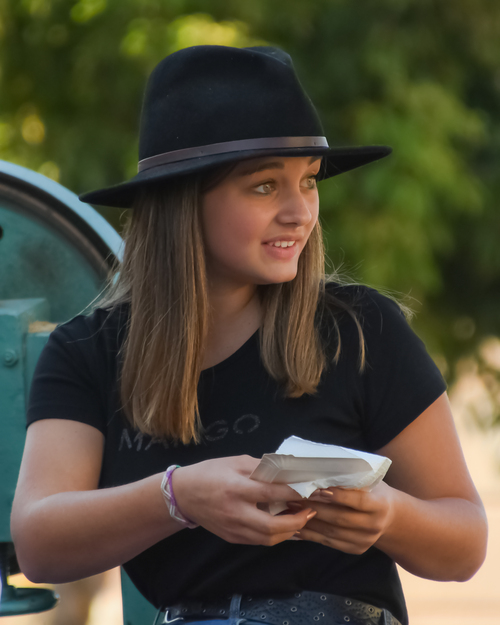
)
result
[(168, 494)]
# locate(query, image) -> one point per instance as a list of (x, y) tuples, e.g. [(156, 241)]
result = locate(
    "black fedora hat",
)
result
[(205, 106)]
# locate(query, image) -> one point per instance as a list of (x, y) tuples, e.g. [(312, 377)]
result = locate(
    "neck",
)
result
[(233, 306), (234, 316)]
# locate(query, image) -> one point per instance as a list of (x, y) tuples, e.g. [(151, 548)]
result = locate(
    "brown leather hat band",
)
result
[(269, 143)]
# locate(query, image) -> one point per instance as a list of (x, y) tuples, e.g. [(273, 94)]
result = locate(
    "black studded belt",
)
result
[(301, 608)]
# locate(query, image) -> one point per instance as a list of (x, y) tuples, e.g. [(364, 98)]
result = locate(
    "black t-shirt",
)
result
[(243, 411)]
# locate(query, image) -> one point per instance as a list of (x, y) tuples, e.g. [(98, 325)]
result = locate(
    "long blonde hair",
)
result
[(164, 281)]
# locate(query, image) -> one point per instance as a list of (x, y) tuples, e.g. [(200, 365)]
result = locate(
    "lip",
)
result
[(281, 253)]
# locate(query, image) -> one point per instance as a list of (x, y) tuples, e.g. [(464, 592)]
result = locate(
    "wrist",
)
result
[(170, 500), (397, 502)]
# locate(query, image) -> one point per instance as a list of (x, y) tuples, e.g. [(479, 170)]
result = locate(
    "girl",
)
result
[(219, 338)]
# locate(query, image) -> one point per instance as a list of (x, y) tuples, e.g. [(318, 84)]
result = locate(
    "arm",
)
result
[(64, 528), (428, 517)]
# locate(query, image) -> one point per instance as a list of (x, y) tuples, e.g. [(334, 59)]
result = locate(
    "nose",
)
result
[(298, 208)]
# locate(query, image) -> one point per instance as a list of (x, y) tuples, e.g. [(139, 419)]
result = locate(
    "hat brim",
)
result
[(336, 161)]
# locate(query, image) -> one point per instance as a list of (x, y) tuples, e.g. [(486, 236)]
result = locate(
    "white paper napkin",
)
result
[(306, 466)]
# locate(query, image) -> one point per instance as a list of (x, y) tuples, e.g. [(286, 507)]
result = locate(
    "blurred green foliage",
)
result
[(420, 75)]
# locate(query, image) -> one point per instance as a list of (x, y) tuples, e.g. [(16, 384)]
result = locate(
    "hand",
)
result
[(348, 520), (220, 496)]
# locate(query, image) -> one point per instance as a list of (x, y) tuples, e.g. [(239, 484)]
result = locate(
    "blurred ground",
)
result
[(475, 602), (73, 609)]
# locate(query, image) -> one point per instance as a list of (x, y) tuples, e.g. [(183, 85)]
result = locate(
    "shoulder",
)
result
[(87, 342), (103, 325), (398, 379), (372, 310), (76, 372), (359, 296), (370, 323)]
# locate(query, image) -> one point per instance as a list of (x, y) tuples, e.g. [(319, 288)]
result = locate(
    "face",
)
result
[(257, 221)]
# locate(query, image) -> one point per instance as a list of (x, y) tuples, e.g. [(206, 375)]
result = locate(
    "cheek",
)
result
[(315, 209), (230, 221), (229, 227), (229, 231), (314, 216)]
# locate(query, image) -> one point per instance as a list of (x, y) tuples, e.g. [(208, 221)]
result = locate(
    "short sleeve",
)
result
[(400, 380), (66, 382)]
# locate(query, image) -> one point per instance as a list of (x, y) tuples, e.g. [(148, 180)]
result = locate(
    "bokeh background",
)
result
[(422, 76)]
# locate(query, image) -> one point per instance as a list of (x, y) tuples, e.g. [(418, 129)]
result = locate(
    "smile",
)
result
[(281, 243)]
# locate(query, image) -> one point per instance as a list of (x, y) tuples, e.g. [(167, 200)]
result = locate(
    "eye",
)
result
[(265, 188), (311, 181)]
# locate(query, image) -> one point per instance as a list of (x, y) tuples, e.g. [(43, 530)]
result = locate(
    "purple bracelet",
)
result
[(168, 494)]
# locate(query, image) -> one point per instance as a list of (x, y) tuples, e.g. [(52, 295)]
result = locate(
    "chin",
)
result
[(279, 279)]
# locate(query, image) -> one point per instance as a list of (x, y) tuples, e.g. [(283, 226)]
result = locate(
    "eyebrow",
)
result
[(269, 165)]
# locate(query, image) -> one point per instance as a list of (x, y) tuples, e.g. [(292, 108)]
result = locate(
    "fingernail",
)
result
[(311, 514), (327, 496)]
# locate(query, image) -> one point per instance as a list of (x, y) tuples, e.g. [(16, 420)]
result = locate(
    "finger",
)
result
[(354, 501), (263, 529), (299, 505), (348, 542), (246, 464), (336, 515), (328, 524), (280, 524), (350, 497), (253, 537), (321, 507), (265, 492), (295, 536)]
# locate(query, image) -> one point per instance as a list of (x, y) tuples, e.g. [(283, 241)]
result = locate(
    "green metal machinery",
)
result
[(55, 255)]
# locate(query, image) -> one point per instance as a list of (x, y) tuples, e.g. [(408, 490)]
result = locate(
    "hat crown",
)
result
[(205, 95), (208, 106)]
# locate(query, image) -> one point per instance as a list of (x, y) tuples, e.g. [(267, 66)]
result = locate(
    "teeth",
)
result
[(282, 243)]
